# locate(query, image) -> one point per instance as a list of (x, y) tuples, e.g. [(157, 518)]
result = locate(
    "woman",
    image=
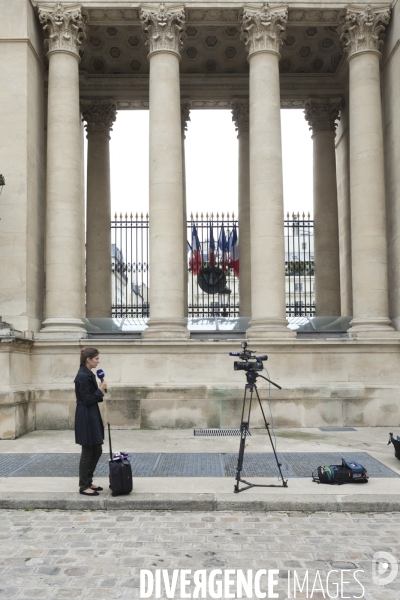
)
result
[(89, 429)]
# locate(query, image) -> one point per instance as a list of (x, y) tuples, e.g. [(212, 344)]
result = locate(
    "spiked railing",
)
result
[(216, 267), (130, 265), (299, 265), (131, 276)]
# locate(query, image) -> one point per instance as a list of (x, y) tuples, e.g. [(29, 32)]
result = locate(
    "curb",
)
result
[(201, 502)]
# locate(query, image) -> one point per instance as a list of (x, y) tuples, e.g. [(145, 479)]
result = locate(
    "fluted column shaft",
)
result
[(99, 117), (185, 117), (360, 35), (166, 187), (367, 189), (262, 32), (64, 243), (321, 116), (240, 115)]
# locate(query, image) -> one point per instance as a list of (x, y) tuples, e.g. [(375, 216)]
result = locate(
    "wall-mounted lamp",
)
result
[(2, 183)]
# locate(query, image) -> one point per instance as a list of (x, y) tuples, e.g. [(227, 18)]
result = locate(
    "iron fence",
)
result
[(299, 265), (130, 266), (212, 263)]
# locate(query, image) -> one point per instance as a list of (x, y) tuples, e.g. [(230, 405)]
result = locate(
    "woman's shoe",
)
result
[(97, 488), (94, 493)]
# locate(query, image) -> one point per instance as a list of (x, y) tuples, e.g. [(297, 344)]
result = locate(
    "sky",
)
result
[(211, 151)]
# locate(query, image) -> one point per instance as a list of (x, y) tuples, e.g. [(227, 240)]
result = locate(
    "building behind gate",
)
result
[(67, 69)]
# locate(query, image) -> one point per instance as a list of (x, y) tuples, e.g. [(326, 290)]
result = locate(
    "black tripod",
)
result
[(250, 386)]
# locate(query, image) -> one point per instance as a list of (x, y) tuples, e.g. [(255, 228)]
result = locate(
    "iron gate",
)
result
[(299, 266), (212, 263), (130, 266)]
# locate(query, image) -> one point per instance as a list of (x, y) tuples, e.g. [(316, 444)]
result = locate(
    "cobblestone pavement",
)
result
[(99, 555)]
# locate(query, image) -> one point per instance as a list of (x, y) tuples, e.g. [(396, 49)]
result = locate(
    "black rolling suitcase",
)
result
[(120, 473)]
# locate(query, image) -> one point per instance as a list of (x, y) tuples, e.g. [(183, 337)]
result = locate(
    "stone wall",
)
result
[(333, 382), (17, 396)]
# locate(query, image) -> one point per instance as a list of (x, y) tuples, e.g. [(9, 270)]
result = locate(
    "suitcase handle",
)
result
[(109, 439)]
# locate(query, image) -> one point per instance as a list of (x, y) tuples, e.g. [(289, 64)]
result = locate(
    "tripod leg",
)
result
[(240, 459), (284, 482), (244, 427)]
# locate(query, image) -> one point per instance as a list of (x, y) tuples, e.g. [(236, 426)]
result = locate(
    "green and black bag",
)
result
[(347, 472)]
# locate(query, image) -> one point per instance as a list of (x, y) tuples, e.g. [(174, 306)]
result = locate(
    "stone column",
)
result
[(163, 27), (240, 116), (263, 32), (99, 116), (185, 117), (361, 30), (64, 29), (321, 115), (343, 190), (83, 217)]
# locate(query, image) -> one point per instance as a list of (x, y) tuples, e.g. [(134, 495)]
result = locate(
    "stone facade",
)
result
[(193, 384), (66, 62)]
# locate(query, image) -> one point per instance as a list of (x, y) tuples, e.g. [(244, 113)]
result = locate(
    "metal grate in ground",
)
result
[(216, 432), (257, 465), (44, 465), (11, 463), (189, 465), (153, 464), (337, 429), (143, 464)]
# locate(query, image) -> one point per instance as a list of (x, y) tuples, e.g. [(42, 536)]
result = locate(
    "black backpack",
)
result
[(347, 472), (396, 444)]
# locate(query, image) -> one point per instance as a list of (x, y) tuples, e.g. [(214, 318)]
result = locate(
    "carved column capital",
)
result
[(186, 105), (99, 116), (240, 115), (64, 27), (263, 29), (322, 113), (362, 28), (164, 27)]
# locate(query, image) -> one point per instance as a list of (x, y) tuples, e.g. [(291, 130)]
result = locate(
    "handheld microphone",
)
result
[(100, 374)]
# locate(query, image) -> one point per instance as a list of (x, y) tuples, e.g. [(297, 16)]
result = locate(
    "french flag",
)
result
[(211, 248), (195, 261), (233, 246), (224, 249)]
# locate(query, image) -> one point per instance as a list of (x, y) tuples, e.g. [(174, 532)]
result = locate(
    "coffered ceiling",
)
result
[(121, 50), (214, 62)]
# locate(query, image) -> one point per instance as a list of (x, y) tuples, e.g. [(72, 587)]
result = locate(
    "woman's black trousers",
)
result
[(87, 465)]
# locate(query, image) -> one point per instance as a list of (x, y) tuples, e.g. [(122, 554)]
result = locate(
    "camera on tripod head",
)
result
[(248, 362)]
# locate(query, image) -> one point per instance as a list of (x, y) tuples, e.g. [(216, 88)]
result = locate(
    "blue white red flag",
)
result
[(234, 251), (195, 260), (224, 249), (211, 248)]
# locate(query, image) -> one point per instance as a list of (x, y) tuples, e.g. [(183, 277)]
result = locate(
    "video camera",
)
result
[(249, 362)]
